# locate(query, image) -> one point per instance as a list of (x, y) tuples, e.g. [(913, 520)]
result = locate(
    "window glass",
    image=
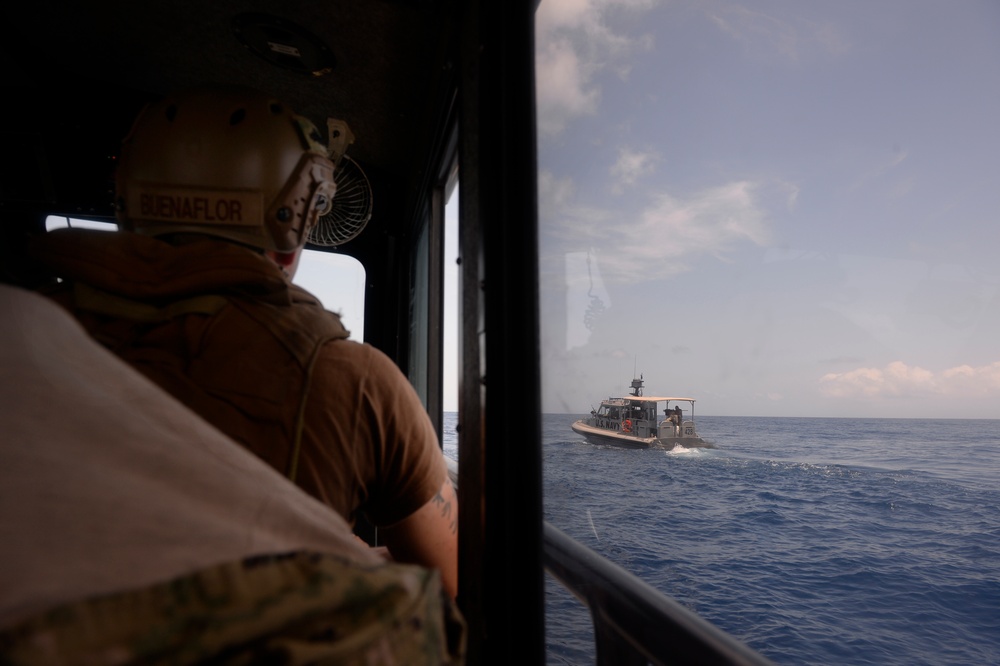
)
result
[(420, 314), (338, 281), (788, 212), (60, 222), (449, 437), (779, 208)]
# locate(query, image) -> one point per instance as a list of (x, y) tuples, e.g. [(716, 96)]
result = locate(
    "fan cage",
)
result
[(351, 207)]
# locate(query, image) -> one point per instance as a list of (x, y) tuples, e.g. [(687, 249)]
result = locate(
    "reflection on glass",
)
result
[(781, 209)]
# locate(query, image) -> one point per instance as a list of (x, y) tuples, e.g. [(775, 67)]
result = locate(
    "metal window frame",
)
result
[(501, 581)]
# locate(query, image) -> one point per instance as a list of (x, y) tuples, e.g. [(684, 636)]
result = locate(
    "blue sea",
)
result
[(812, 540)]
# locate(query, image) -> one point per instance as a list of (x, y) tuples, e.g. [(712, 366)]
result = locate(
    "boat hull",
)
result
[(603, 436)]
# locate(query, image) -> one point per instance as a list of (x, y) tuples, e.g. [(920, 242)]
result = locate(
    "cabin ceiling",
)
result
[(385, 80)]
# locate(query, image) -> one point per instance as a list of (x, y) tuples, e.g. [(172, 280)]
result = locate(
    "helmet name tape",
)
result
[(195, 206), (232, 163)]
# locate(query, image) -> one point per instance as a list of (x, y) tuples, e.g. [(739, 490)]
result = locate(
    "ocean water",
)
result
[(814, 541)]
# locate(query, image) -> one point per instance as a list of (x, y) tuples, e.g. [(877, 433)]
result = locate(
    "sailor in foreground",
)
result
[(217, 191), (136, 533)]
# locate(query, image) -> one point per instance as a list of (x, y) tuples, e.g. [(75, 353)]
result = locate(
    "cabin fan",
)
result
[(351, 207)]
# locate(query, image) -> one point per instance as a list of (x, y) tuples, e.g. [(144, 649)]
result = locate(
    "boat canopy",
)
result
[(634, 398)]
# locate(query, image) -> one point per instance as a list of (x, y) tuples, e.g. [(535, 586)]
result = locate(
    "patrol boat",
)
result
[(639, 422)]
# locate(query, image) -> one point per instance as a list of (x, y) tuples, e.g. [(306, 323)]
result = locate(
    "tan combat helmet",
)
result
[(232, 163)]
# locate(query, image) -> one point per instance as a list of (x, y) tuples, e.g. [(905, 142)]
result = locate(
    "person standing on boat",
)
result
[(678, 418), (217, 191)]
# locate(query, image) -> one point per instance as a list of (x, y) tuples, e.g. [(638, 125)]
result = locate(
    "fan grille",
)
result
[(351, 207)]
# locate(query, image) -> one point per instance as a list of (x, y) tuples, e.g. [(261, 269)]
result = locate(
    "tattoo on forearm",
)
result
[(447, 512)]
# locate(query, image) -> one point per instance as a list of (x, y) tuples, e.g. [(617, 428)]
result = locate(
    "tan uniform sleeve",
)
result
[(369, 443)]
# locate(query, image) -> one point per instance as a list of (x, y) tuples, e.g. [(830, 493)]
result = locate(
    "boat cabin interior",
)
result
[(439, 98)]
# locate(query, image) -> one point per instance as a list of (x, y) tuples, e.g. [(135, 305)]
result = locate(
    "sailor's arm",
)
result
[(429, 537), (410, 497)]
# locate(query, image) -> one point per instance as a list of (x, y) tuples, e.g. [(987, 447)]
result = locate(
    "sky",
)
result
[(338, 281), (779, 208)]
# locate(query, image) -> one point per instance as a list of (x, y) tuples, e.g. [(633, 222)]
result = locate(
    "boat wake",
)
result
[(679, 450)]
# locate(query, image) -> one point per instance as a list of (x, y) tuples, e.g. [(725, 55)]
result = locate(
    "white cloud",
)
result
[(668, 236), (751, 27), (764, 35), (631, 165), (984, 379), (876, 168), (573, 44), (564, 89), (901, 380), (554, 194)]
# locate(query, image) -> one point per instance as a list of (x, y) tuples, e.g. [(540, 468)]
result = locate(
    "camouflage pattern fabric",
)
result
[(299, 608)]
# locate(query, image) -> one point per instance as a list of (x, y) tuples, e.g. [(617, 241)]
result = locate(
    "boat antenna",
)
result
[(636, 382)]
